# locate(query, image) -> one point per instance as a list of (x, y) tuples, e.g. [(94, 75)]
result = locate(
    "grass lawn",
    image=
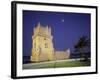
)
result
[(68, 64), (57, 64)]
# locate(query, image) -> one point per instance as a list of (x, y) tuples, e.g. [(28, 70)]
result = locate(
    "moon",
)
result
[(62, 20)]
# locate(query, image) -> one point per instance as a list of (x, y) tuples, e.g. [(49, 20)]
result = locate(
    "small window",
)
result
[(46, 45), (44, 38)]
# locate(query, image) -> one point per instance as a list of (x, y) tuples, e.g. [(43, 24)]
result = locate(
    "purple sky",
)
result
[(66, 28)]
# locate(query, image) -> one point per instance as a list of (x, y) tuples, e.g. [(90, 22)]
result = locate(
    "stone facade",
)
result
[(61, 55), (42, 46)]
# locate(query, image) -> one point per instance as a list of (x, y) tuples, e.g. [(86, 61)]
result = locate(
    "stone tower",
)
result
[(42, 45)]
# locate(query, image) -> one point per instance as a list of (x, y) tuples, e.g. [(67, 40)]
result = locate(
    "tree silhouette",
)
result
[(82, 43)]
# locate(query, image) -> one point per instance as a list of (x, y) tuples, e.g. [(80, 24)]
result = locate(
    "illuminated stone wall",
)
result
[(61, 55)]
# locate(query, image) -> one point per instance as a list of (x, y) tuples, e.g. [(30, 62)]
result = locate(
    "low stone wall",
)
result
[(61, 55), (57, 55)]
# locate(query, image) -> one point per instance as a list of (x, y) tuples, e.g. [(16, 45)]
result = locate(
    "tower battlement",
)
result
[(43, 30)]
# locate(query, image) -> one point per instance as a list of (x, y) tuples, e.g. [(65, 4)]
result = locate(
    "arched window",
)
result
[(44, 38), (46, 45)]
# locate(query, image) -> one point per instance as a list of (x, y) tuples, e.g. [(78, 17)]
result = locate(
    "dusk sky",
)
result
[(66, 28)]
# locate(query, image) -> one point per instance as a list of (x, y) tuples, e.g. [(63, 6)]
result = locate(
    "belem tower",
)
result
[(42, 46)]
